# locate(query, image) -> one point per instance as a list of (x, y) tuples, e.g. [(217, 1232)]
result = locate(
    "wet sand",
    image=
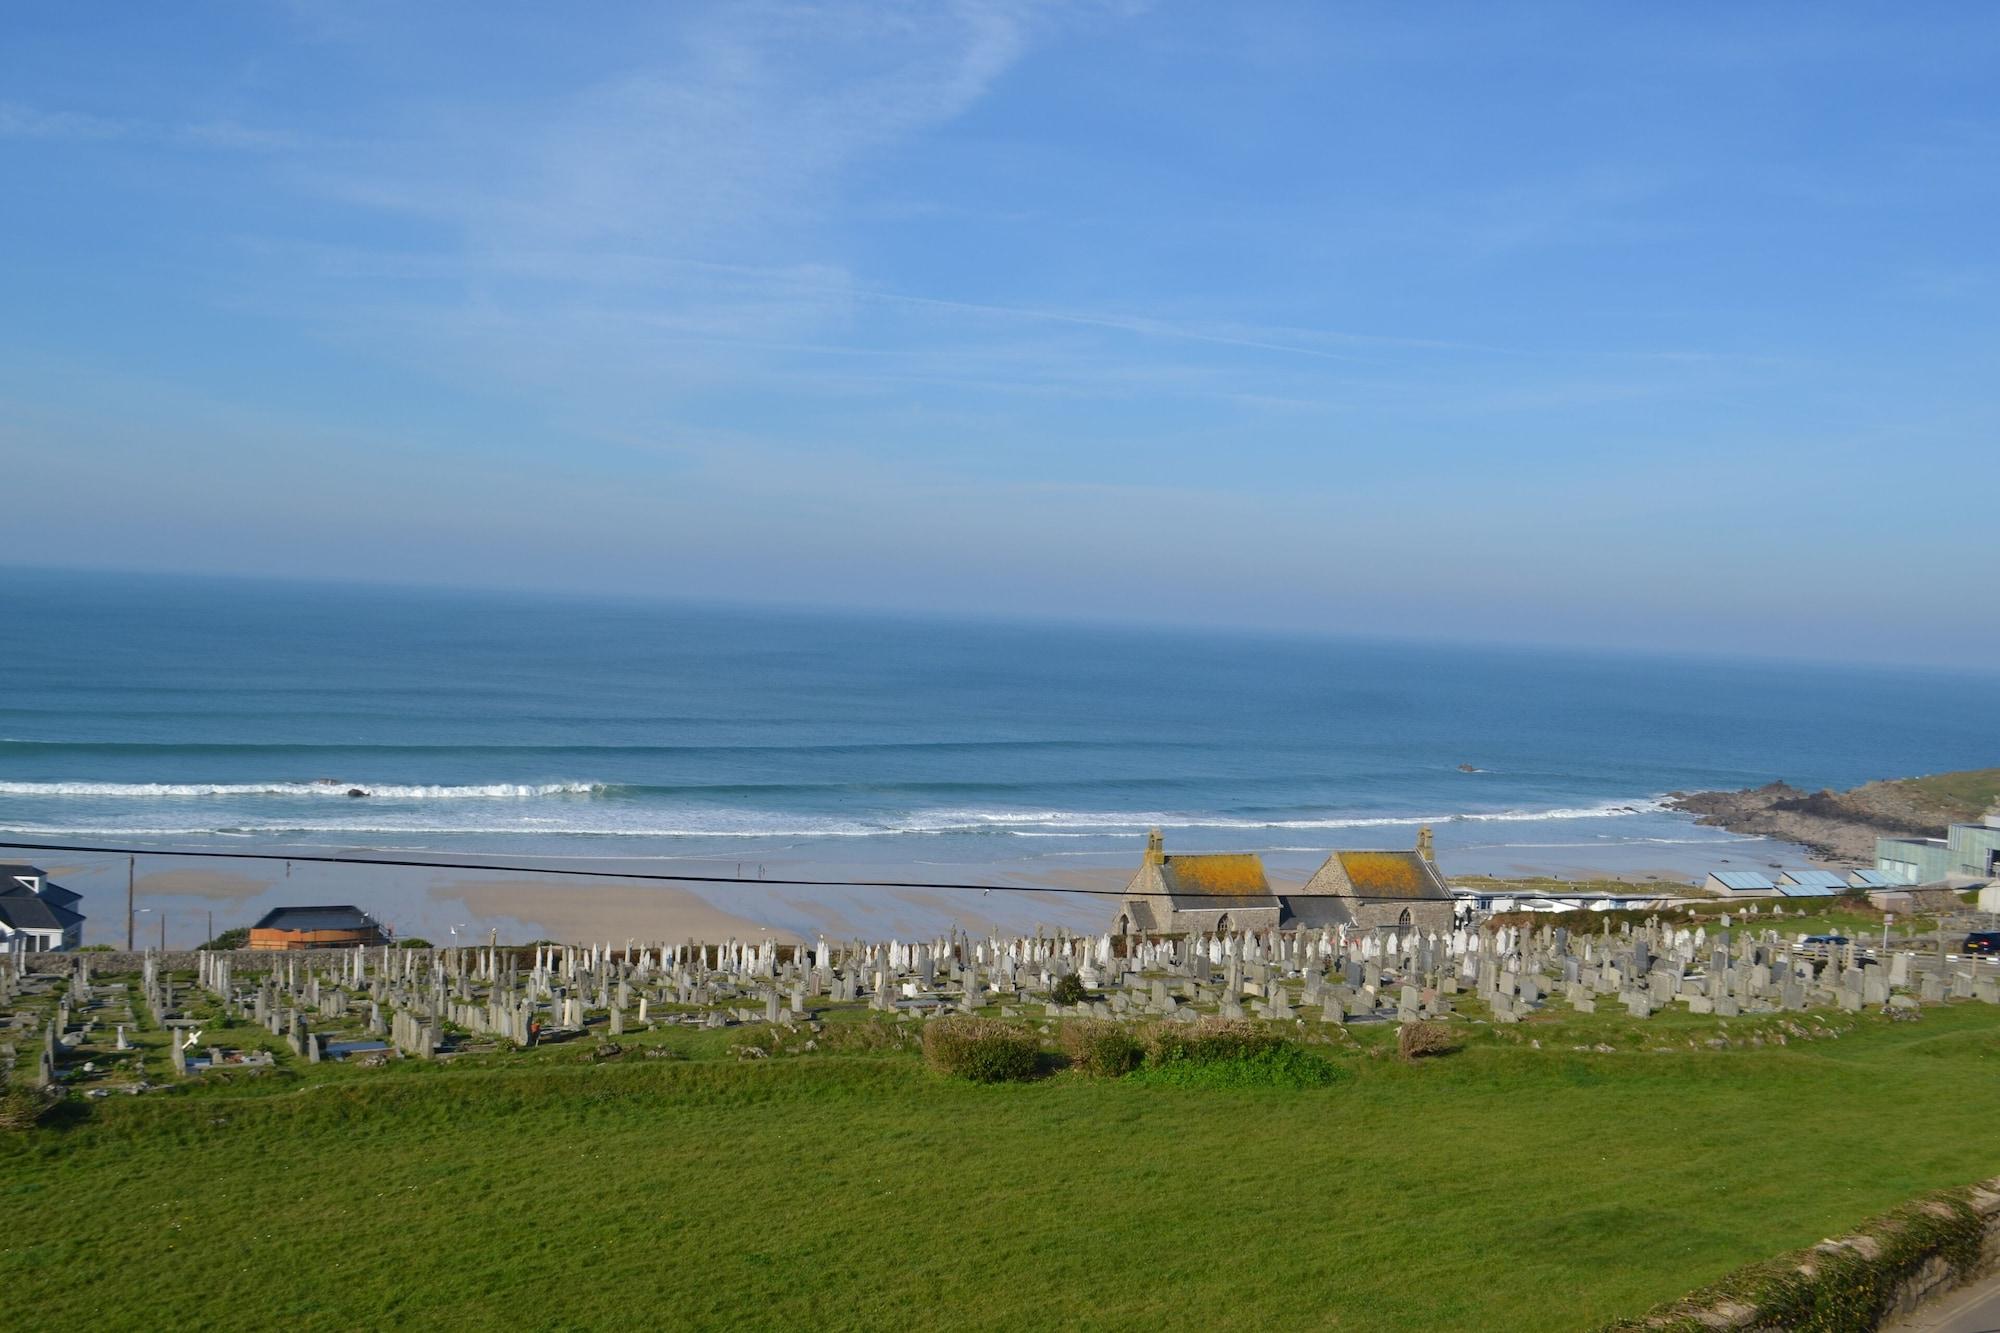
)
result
[(575, 911), (216, 885)]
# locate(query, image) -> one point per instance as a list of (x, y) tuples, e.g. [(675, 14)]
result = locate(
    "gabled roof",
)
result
[(316, 918), (1741, 881), (1216, 881), (1392, 875), (1867, 879), (1375, 876), (24, 909), (13, 872), (1813, 879)]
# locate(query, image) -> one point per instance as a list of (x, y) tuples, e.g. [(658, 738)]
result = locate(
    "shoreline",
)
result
[(1068, 889)]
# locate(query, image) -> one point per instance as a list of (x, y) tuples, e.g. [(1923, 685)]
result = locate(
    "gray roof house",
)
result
[(35, 915)]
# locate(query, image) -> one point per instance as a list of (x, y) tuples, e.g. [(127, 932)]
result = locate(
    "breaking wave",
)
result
[(1074, 821), (641, 819)]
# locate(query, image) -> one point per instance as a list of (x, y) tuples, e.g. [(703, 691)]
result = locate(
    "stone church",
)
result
[(1187, 894)]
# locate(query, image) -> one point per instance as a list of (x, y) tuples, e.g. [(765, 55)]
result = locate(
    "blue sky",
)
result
[(1649, 326)]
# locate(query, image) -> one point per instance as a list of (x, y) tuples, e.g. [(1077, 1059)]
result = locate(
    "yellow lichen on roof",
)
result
[(1220, 872), (1394, 873)]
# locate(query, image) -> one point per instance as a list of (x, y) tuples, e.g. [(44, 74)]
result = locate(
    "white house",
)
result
[(35, 915)]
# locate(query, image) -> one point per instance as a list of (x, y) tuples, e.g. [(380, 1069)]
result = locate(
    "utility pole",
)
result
[(163, 932), (211, 923), (131, 873)]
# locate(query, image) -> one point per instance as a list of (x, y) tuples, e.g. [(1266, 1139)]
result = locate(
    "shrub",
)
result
[(1414, 1041), (414, 942), (1069, 990), (237, 937), (1209, 1040), (95, 948), (1836, 1285), (984, 1050), (1231, 1053), (1096, 1046)]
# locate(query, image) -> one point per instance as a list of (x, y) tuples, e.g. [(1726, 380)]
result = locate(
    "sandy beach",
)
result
[(579, 910), (1057, 891)]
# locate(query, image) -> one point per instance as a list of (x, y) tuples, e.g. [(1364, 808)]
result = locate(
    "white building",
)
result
[(35, 915)]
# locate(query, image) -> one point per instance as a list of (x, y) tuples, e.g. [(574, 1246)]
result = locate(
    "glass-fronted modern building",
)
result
[(1966, 851)]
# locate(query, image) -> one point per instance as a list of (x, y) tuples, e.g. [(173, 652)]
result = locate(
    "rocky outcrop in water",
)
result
[(1835, 825)]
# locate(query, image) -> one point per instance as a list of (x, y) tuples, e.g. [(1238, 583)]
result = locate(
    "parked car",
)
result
[(1982, 942), (1834, 940)]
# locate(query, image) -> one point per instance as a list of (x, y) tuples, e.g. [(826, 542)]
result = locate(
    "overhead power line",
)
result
[(662, 877)]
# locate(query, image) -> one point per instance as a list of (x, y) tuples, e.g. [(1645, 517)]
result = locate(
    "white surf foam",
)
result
[(614, 820), (1068, 820)]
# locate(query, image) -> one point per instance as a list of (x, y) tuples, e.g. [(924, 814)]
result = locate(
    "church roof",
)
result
[(1228, 881), (1391, 875), (1376, 876), (1206, 883), (1217, 880), (1235, 873)]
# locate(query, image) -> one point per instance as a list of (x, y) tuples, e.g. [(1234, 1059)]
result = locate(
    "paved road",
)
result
[(1975, 1309)]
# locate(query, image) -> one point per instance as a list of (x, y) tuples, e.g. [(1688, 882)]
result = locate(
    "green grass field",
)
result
[(1957, 796), (1503, 1187)]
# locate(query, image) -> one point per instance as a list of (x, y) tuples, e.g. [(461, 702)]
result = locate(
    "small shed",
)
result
[(1739, 882), (315, 928)]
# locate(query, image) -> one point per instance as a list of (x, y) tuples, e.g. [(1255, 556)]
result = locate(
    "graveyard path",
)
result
[(1975, 1309)]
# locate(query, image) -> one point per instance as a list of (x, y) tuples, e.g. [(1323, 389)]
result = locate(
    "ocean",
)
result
[(234, 714)]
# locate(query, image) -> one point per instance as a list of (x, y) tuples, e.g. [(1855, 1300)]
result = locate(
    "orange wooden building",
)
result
[(315, 928)]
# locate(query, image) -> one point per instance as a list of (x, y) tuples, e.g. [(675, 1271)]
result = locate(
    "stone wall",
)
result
[(1886, 1269), (183, 960)]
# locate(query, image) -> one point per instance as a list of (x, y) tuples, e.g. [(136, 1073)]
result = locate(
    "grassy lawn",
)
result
[(1841, 915), (1958, 796), (1504, 1187)]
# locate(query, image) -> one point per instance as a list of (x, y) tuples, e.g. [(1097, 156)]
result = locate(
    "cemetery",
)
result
[(1630, 1111)]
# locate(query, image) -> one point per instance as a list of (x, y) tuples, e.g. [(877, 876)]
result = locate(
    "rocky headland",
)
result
[(1841, 826)]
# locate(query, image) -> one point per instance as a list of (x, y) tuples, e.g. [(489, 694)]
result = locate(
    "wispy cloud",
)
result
[(33, 123), (743, 118), (27, 122)]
